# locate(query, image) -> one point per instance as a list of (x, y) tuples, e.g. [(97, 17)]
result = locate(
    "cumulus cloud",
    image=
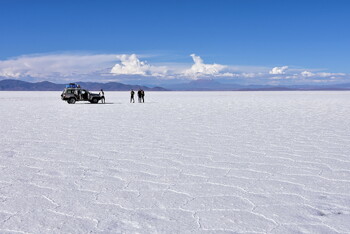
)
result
[(131, 65), (199, 68), (307, 74), (278, 70)]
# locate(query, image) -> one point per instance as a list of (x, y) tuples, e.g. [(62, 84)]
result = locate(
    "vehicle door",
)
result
[(84, 95)]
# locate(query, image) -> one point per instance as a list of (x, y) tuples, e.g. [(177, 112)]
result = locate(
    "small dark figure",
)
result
[(142, 95), (132, 93), (102, 95), (139, 95), (76, 93)]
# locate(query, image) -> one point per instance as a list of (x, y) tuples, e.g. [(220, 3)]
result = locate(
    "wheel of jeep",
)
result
[(71, 100), (94, 100)]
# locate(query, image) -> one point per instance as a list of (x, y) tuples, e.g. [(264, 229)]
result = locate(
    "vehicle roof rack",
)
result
[(72, 85)]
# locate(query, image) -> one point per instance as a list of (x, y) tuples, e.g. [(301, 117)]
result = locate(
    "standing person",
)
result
[(76, 93), (102, 95), (132, 93), (143, 95), (139, 95)]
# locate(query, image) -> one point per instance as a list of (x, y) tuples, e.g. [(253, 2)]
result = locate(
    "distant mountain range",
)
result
[(197, 85), (17, 85), (212, 85)]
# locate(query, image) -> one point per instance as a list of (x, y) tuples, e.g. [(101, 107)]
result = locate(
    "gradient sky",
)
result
[(304, 41)]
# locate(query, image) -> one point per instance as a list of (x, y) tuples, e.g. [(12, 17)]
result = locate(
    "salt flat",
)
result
[(183, 162)]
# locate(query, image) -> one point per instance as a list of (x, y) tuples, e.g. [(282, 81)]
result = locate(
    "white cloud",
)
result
[(199, 68), (131, 65), (55, 65), (251, 75), (310, 76), (329, 74), (278, 70), (322, 74), (307, 74)]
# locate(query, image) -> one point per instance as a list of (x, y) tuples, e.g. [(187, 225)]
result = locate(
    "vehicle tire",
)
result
[(71, 100), (94, 100)]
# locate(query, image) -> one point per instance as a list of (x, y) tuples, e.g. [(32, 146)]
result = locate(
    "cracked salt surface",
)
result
[(242, 162)]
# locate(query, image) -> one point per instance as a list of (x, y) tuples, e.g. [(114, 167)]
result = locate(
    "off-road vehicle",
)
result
[(73, 93)]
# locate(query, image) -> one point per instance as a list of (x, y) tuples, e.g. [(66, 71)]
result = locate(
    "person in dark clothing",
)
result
[(132, 93), (102, 95), (139, 95), (142, 95)]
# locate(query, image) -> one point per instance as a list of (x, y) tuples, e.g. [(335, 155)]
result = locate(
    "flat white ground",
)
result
[(245, 162)]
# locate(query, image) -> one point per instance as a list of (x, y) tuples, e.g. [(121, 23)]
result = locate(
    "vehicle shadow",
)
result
[(107, 103), (87, 103)]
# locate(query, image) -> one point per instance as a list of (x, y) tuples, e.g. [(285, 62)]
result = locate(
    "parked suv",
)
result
[(74, 94)]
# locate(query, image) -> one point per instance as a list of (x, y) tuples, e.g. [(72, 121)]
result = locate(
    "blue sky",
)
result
[(245, 41)]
